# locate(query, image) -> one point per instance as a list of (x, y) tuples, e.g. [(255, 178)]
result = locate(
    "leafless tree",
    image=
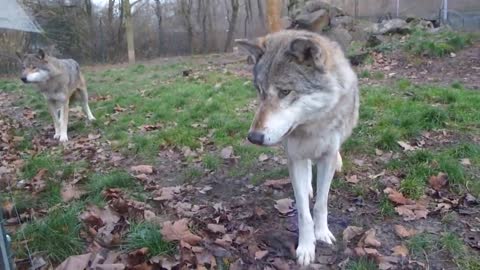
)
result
[(232, 16), (186, 7), (158, 12)]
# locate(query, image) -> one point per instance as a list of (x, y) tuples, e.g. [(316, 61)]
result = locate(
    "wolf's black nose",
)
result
[(256, 137), (24, 79)]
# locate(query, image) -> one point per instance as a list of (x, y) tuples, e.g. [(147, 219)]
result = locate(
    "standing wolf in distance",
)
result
[(309, 102), (58, 80)]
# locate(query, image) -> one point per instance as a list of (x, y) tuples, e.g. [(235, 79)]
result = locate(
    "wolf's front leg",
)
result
[(64, 121), (54, 112), (325, 170), (299, 173)]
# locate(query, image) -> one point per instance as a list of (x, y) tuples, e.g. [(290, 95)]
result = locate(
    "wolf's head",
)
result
[(34, 67), (294, 82)]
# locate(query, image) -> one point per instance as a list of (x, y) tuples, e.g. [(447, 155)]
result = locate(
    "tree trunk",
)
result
[(186, 10), (121, 26), (274, 9), (129, 31), (205, 9), (260, 9), (231, 24), (158, 12)]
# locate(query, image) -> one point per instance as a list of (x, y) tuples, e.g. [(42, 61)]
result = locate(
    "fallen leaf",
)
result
[(225, 241), (70, 192), (145, 169), (402, 232), (277, 183), (406, 146), (439, 181), (369, 239), (412, 212), (166, 193), (284, 206), (400, 250), (260, 254), (216, 228), (259, 212), (262, 157), (375, 176), (179, 231), (397, 197), (227, 152), (465, 161), (38, 183), (352, 179), (7, 207), (75, 262), (351, 232)]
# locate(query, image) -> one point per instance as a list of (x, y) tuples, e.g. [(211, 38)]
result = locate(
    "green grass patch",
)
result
[(147, 235), (436, 44), (115, 179), (422, 243), (56, 235), (362, 264)]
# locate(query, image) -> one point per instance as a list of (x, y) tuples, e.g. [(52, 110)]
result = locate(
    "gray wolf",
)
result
[(59, 80), (308, 101)]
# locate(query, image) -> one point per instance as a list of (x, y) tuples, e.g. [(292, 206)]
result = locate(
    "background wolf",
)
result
[(308, 101), (58, 80)]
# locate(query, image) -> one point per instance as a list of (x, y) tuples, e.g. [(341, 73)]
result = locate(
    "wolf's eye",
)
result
[(283, 93)]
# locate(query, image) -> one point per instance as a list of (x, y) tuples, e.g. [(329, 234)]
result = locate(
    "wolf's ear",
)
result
[(41, 54), (254, 48), (305, 51)]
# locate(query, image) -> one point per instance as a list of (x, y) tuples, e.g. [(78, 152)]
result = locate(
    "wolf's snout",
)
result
[(24, 79), (256, 137)]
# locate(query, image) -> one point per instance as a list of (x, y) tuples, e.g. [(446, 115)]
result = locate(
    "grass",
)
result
[(362, 264), (190, 110), (56, 235), (422, 243), (436, 44), (387, 209), (147, 235), (114, 179)]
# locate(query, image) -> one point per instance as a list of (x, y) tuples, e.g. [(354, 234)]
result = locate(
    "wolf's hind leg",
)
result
[(84, 99)]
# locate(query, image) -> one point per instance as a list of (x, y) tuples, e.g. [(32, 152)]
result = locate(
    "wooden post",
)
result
[(274, 10)]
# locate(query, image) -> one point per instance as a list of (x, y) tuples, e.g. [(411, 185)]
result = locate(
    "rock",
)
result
[(315, 21), (314, 5), (373, 41), (341, 36), (389, 26), (342, 21)]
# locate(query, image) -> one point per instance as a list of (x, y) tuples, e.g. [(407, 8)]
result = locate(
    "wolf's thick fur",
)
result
[(59, 80), (309, 102)]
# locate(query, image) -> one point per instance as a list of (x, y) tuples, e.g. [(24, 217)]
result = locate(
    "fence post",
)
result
[(356, 9), (445, 11), (397, 7)]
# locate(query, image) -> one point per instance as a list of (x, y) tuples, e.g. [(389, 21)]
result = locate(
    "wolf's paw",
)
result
[(63, 138), (56, 136), (91, 119), (324, 235), (306, 253)]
